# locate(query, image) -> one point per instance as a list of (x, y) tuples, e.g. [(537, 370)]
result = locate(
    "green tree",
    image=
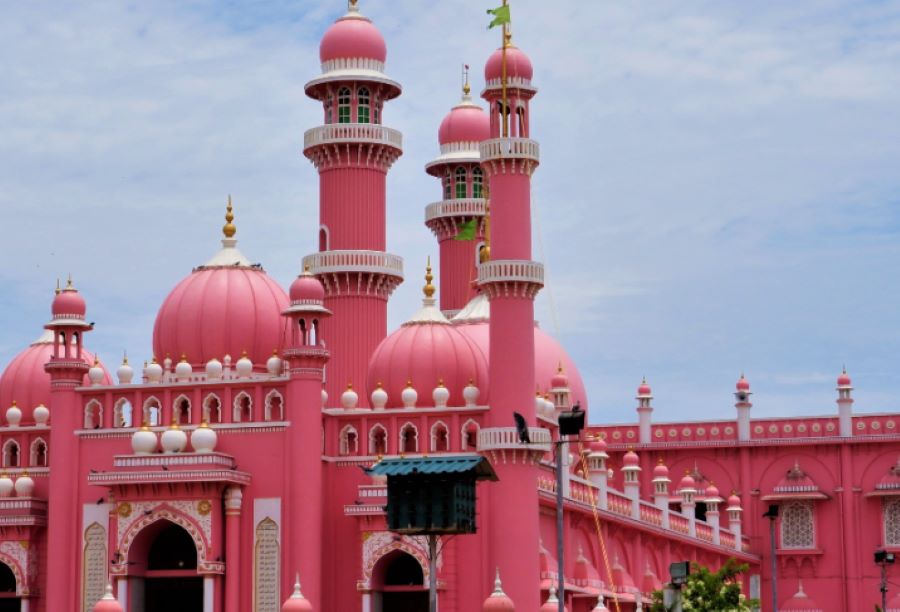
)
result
[(708, 591)]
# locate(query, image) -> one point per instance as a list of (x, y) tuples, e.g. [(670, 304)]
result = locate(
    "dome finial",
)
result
[(428, 289), (229, 228), (351, 6), (69, 285), (58, 290), (466, 89)]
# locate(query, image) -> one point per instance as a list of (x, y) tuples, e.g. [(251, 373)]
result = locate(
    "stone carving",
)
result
[(266, 567), (94, 566)]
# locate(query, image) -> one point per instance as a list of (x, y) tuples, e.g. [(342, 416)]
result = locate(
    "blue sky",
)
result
[(719, 188)]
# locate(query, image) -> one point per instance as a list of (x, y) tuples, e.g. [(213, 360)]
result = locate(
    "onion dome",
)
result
[(107, 603), (712, 493), (153, 371), (13, 415), (843, 379), (466, 122), (660, 472), (214, 369), (644, 389), (307, 294), (409, 395), (244, 366), (41, 415), (125, 373), (24, 379), (144, 441), (173, 440), (734, 502), (297, 602), (426, 348), (353, 36), (518, 66), (24, 485), (96, 373), (598, 447), (379, 397), (801, 601), (498, 601), (440, 395), (204, 438), (631, 460), (349, 398), (225, 306), (470, 394), (687, 483), (183, 370), (742, 384), (68, 304), (559, 380), (274, 364), (6, 485)]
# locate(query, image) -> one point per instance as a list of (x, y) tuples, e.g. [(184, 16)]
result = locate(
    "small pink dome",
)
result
[(218, 311), (644, 389), (687, 482), (307, 288), (352, 36), (297, 605), (661, 470), (25, 381), (743, 384), (598, 445), (844, 379), (734, 501), (465, 123), (517, 65), (631, 459), (107, 603), (426, 353), (498, 601), (559, 380), (712, 491), (68, 302)]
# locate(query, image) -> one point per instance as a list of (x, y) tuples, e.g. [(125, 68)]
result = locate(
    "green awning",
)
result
[(435, 466)]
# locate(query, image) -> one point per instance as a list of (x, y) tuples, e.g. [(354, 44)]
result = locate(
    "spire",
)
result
[(428, 289), (498, 586), (58, 290), (229, 228)]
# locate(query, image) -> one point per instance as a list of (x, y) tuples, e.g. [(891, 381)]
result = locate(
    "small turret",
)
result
[(743, 406), (845, 403), (644, 410)]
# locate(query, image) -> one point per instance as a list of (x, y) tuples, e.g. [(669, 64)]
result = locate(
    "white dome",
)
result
[(274, 365), (154, 372), (349, 398), (440, 395), (6, 485), (13, 415), (213, 369), (41, 415), (24, 485), (379, 398), (183, 370), (203, 439), (244, 367), (409, 396), (144, 441), (470, 394), (173, 440), (96, 374), (125, 373)]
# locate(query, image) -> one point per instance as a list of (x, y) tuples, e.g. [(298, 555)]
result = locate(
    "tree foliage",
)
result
[(708, 591)]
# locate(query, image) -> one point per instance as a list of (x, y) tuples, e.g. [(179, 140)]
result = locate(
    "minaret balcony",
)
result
[(497, 149), (468, 207), (335, 262), (352, 133)]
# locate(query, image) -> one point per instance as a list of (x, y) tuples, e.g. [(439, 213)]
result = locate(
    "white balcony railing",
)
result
[(502, 270), (329, 262), (468, 207), (498, 438), (367, 133), (511, 148)]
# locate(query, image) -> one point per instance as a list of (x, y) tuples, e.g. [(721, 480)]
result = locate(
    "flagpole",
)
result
[(505, 110)]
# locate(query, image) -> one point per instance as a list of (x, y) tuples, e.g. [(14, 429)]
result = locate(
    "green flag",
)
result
[(501, 16), (467, 230)]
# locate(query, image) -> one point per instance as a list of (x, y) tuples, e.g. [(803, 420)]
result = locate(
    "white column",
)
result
[(208, 593), (122, 590), (367, 602), (24, 606)]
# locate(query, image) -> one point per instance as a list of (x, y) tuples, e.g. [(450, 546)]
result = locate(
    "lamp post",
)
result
[(571, 422), (884, 558), (772, 515), (672, 595)]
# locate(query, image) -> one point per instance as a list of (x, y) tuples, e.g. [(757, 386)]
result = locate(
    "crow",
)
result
[(165, 468), (99, 501), (522, 428)]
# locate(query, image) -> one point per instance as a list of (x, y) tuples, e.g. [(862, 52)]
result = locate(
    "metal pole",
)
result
[(560, 549), (883, 586), (432, 572), (774, 565)]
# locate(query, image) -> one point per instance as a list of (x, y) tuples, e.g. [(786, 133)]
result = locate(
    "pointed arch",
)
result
[(181, 410), (378, 440), (409, 438), (39, 455), (151, 412), (12, 455), (363, 100), (243, 408), (344, 105), (469, 440), (274, 409), (93, 414), (212, 409), (164, 513), (348, 441), (440, 437), (461, 183), (122, 413)]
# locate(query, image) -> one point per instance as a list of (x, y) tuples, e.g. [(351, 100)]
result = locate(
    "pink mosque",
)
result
[(225, 475)]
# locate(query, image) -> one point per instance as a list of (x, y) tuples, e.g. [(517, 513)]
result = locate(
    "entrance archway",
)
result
[(164, 556), (398, 584), (9, 602)]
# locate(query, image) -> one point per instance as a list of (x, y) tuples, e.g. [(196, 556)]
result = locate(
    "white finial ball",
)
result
[(125, 373), (154, 372), (470, 394), (24, 485), (95, 374), (183, 370), (213, 369), (244, 367), (409, 396), (13, 415), (379, 398), (144, 441), (349, 398), (41, 415), (6, 485), (173, 440), (227, 361), (324, 397), (274, 365), (440, 395), (203, 439), (167, 363)]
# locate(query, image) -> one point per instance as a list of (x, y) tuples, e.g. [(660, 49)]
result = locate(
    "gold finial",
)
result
[(466, 89), (229, 228), (58, 290), (306, 269), (174, 424), (125, 358), (351, 5), (378, 385), (349, 386), (559, 369), (69, 286), (96, 361), (409, 383), (183, 358), (428, 289), (440, 382), (507, 38), (659, 461)]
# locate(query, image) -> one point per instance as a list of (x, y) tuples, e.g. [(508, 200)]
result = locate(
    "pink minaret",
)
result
[(66, 369), (845, 403), (742, 405), (511, 280), (306, 355), (353, 152), (463, 200), (645, 411)]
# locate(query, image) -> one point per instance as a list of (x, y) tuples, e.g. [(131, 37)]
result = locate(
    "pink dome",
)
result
[(306, 288), (426, 352), (352, 36), (25, 381), (68, 303), (598, 445), (559, 380), (687, 482), (218, 311), (631, 459), (712, 491), (498, 601), (644, 388), (465, 123), (661, 471), (734, 501), (743, 384), (844, 379), (517, 65)]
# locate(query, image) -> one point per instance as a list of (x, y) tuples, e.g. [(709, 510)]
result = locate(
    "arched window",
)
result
[(11, 455), (344, 105), (797, 528), (349, 441), (892, 522), (409, 439), (362, 105), (477, 183), (212, 409), (460, 183), (378, 440), (274, 406), (243, 408), (440, 438), (152, 413), (38, 456), (181, 410), (93, 415), (122, 413), (470, 436)]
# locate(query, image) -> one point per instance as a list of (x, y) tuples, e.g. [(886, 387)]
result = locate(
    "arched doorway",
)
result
[(165, 556), (9, 602), (398, 584)]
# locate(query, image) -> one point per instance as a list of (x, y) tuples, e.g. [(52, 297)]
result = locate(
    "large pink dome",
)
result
[(352, 36), (218, 311), (466, 122), (25, 381), (517, 65)]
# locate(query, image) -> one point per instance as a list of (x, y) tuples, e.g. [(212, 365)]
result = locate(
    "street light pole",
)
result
[(560, 548), (883, 558), (772, 515)]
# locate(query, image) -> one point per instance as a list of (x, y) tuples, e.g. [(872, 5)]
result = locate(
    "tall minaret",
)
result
[(353, 152), (66, 369), (463, 199), (511, 280)]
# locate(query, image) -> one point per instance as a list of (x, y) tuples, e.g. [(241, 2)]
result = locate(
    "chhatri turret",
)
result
[(461, 208), (353, 152)]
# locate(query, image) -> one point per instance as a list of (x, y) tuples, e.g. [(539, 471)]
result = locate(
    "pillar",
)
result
[(233, 499)]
